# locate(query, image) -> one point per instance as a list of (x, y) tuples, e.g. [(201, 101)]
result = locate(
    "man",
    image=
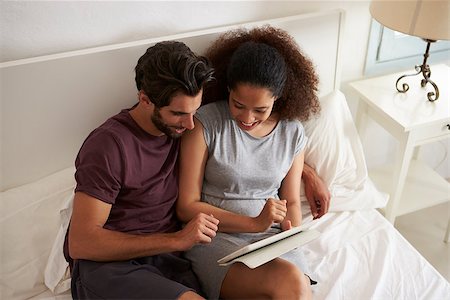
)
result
[(124, 240)]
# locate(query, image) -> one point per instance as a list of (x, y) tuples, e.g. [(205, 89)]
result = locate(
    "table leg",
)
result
[(404, 155), (447, 233), (416, 152), (360, 120)]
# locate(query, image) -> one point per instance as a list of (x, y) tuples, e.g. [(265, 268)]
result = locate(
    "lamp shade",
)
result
[(427, 19)]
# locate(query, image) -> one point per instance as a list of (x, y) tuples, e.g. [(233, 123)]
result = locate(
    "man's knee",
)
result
[(189, 295)]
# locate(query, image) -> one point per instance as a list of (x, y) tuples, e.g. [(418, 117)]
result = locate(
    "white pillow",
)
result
[(29, 222), (335, 151), (57, 271)]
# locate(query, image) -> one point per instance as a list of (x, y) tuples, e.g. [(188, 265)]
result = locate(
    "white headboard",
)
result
[(49, 104)]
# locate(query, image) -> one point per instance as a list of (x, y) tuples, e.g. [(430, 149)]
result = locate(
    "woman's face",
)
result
[(250, 106)]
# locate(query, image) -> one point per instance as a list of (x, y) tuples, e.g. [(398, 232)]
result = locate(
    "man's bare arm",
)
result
[(89, 240)]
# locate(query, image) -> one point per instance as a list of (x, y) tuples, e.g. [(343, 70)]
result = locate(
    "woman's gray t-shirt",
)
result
[(243, 171)]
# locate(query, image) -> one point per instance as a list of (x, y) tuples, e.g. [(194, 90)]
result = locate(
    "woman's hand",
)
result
[(274, 211), (286, 225)]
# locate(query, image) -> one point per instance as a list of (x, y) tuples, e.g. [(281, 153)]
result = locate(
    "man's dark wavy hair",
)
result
[(171, 67)]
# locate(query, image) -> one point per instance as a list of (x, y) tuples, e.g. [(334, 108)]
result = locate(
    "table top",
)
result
[(411, 109)]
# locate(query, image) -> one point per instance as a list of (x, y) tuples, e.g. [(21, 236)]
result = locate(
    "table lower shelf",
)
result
[(423, 187)]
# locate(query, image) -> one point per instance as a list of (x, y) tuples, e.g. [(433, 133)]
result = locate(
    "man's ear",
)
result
[(144, 99)]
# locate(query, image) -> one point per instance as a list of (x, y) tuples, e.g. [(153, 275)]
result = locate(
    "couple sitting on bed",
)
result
[(233, 178)]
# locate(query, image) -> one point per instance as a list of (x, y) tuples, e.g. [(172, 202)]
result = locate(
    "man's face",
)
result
[(174, 119)]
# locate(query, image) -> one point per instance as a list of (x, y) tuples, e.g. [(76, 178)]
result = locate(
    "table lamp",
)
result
[(426, 19)]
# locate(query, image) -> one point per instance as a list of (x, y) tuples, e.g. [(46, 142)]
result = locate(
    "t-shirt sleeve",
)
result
[(209, 116), (301, 139), (98, 167)]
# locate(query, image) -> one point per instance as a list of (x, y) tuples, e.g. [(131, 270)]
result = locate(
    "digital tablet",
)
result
[(301, 235)]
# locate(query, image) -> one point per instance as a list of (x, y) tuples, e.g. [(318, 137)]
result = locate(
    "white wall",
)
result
[(29, 29)]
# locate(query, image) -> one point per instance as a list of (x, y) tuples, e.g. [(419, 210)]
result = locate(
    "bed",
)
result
[(51, 103)]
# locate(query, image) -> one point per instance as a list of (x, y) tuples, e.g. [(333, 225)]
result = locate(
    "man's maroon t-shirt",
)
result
[(123, 165)]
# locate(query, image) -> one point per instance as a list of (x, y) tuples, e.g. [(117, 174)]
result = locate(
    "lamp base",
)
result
[(426, 73)]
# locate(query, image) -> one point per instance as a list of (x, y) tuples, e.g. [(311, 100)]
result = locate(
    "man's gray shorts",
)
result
[(165, 276)]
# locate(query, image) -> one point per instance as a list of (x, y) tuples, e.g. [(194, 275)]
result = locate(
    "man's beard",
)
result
[(163, 127)]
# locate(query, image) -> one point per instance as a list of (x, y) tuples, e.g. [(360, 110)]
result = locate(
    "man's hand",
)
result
[(201, 229), (274, 211), (318, 196), (316, 192)]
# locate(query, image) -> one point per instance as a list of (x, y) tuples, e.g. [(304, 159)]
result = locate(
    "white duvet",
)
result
[(360, 255)]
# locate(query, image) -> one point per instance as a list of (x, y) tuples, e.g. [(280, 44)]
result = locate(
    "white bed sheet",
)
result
[(360, 255)]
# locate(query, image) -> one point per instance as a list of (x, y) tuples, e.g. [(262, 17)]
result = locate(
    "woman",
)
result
[(243, 161)]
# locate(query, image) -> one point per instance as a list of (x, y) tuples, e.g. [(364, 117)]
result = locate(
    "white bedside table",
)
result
[(413, 121)]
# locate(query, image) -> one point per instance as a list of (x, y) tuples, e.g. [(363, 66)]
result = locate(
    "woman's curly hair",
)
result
[(299, 97)]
